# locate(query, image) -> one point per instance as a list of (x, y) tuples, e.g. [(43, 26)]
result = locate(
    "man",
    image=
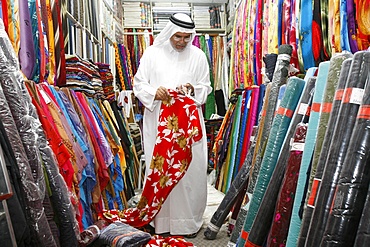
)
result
[(172, 62)]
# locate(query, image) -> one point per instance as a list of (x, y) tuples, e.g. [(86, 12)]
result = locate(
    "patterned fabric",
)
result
[(171, 157), (158, 241)]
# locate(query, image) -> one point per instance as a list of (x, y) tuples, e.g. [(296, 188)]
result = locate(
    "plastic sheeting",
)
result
[(32, 152), (363, 231), (342, 133), (274, 144), (353, 183)]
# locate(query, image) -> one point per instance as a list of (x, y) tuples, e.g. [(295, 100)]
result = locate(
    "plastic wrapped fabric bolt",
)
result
[(284, 203), (274, 144), (264, 216), (16, 203), (342, 133), (30, 189), (363, 232), (122, 235), (331, 85), (240, 181), (335, 81), (18, 119), (353, 183), (270, 62), (313, 124), (279, 78)]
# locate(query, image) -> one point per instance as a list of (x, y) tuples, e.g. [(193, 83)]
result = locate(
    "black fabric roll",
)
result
[(353, 183), (363, 232), (342, 133), (264, 217), (307, 214), (270, 62), (16, 203), (237, 186)]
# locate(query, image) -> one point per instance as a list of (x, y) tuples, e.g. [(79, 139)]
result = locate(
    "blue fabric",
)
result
[(242, 130), (307, 154), (344, 42), (88, 180), (306, 33)]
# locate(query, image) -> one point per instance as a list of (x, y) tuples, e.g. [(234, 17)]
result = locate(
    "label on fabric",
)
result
[(302, 109), (45, 96), (283, 57), (297, 146), (356, 96)]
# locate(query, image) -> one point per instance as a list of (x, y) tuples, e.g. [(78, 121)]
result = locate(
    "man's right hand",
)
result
[(161, 94)]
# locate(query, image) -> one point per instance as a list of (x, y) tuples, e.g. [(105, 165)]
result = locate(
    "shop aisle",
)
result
[(214, 199)]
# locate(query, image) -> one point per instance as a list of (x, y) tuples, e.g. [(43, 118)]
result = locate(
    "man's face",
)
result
[(180, 40)]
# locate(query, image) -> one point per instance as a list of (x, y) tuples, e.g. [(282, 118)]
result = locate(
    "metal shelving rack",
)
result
[(160, 10)]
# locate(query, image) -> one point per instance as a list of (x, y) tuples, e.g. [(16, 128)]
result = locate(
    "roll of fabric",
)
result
[(283, 209), (27, 57), (325, 131), (264, 216), (327, 120), (315, 115), (352, 26), (233, 147), (342, 132), (279, 78), (279, 128), (344, 39), (235, 191), (363, 231), (353, 183), (307, 154), (305, 19)]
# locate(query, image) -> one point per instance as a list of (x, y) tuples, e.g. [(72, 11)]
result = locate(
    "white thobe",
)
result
[(183, 210)]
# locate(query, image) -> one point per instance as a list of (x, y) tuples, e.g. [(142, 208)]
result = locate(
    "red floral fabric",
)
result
[(178, 128), (159, 241)]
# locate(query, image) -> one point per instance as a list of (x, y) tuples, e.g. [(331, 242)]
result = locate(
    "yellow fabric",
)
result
[(119, 66), (13, 22), (336, 26), (51, 44), (273, 27)]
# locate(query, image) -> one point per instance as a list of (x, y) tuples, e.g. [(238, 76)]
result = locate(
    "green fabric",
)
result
[(210, 107)]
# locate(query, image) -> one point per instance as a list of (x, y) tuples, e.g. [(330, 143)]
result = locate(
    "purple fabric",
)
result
[(351, 22), (26, 55), (196, 41)]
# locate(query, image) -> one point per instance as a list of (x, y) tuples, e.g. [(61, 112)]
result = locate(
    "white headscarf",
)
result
[(171, 28)]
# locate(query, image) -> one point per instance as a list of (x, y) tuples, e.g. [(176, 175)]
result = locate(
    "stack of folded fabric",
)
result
[(82, 75), (107, 80)]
